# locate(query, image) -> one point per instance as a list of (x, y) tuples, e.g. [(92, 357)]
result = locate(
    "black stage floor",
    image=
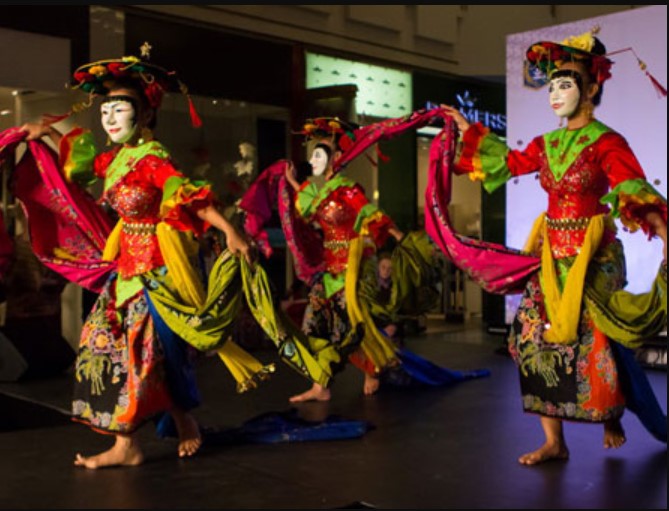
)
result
[(449, 448)]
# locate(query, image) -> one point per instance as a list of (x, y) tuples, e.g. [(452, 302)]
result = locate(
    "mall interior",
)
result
[(255, 74)]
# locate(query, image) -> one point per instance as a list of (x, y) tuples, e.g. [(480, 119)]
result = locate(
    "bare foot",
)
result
[(614, 434), (190, 438), (315, 393), (371, 385), (126, 452), (548, 451)]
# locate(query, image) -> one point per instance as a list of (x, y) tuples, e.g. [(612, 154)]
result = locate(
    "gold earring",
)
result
[(109, 142), (146, 135), (561, 124)]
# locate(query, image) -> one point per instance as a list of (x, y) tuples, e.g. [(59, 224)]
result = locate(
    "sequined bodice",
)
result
[(135, 201), (573, 200), (578, 193), (336, 217)]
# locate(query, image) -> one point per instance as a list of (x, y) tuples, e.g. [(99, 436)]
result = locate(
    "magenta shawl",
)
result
[(496, 268), (68, 230)]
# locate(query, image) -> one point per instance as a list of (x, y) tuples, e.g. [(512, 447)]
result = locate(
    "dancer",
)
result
[(570, 332), (131, 366), (339, 265), (343, 212)]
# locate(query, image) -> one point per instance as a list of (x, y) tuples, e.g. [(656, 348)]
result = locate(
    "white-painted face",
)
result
[(319, 161), (564, 96), (118, 120)]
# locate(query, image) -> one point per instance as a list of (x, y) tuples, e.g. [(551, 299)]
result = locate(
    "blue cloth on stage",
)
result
[(415, 370), (278, 427)]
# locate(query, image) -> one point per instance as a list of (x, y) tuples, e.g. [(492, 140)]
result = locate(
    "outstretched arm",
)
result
[(290, 176), (235, 241), (460, 121), (396, 233)]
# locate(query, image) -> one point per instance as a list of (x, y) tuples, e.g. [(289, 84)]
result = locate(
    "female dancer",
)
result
[(572, 324), (338, 261), (132, 363)]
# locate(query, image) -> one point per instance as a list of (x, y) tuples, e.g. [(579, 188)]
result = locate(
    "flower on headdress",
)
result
[(309, 127), (83, 76), (584, 42), (334, 125), (98, 70), (131, 59), (601, 69), (154, 94), (117, 68), (345, 142)]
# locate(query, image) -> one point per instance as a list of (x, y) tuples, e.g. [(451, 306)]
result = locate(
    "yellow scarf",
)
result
[(564, 308)]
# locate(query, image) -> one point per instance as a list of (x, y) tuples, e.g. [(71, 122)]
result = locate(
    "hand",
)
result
[(663, 236), (291, 174), (35, 131), (396, 233), (239, 246), (460, 121), (657, 223), (661, 230)]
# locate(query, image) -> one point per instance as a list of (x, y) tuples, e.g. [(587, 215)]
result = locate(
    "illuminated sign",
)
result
[(466, 103)]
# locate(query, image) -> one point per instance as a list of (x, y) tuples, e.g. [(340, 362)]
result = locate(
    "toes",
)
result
[(187, 449), (528, 459)]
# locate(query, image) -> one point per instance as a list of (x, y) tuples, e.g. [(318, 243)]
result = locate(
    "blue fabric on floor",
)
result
[(415, 370), (277, 427), (639, 396)]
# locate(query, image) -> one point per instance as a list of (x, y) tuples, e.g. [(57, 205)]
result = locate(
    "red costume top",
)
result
[(576, 168), (341, 209), (142, 185)]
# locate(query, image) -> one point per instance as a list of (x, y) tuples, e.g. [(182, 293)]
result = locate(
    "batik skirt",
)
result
[(576, 381)]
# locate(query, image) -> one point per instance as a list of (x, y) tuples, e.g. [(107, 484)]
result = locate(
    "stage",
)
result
[(445, 448)]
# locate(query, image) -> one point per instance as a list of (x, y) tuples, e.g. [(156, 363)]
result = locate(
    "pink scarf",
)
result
[(270, 188), (496, 268), (61, 215)]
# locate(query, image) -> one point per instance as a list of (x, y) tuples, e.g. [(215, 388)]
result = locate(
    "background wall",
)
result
[(630, 105), (461, 39)]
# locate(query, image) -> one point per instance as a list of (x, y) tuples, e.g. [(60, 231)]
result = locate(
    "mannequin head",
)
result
[(247, 151)]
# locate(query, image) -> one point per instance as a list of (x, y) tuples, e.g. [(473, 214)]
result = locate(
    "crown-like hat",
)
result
[(95, 78), (547, 56), (338, 132)]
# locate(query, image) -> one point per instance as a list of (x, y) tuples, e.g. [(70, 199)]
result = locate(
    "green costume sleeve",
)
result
[(483, 155), (77, 156), (631, 200)]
